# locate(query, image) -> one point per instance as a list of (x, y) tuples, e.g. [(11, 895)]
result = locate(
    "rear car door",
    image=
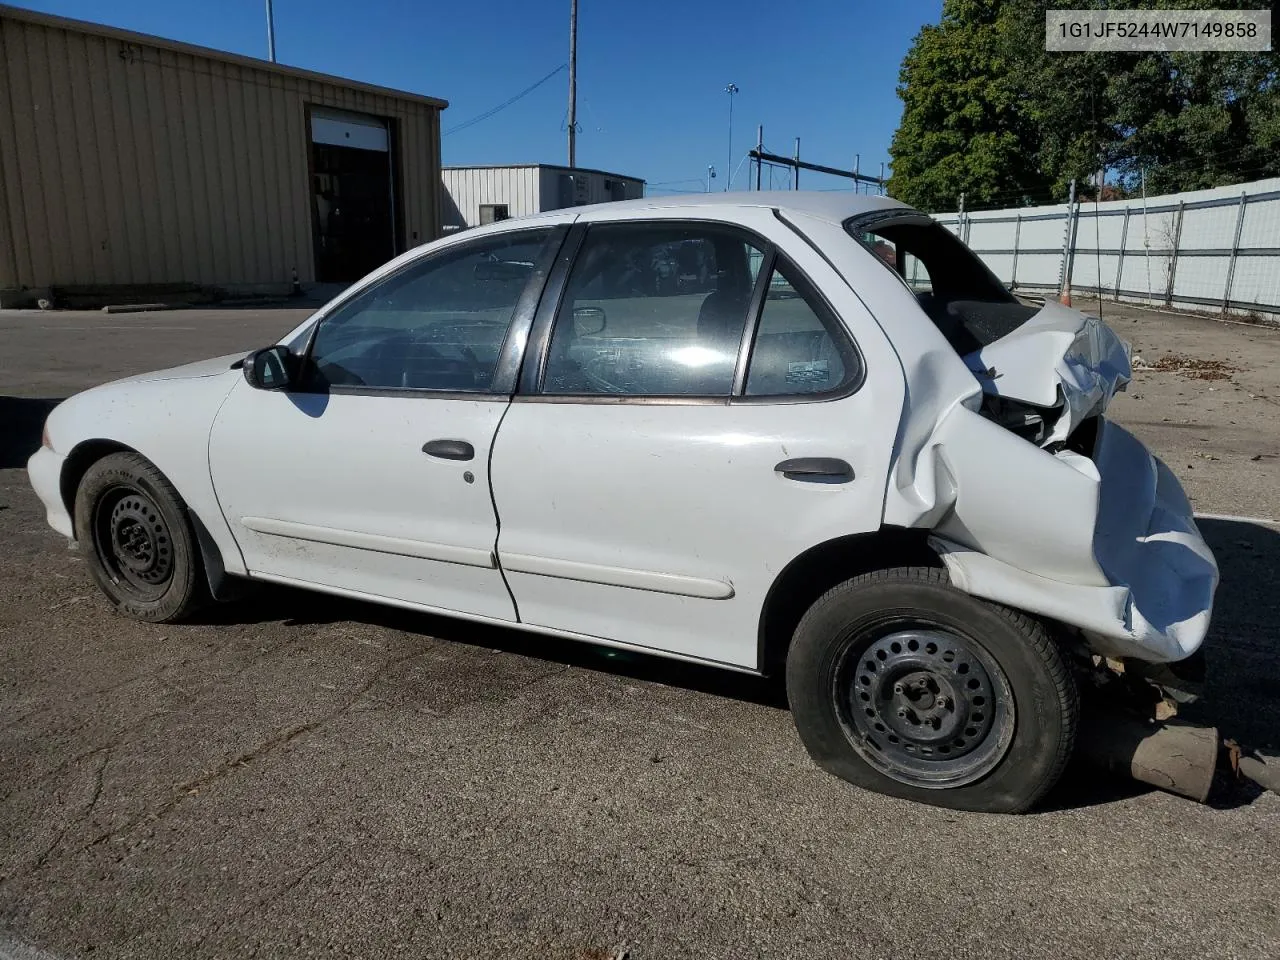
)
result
[(371, 476), (701, 403)]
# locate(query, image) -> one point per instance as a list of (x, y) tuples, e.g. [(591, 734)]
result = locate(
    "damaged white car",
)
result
[(800, 432)]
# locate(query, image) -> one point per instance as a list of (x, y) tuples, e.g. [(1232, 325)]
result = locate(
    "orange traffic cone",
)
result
[(1065, 299)]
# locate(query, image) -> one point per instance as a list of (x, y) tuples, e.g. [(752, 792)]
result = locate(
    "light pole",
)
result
[(711, 175), (731, 89), (271, 33)]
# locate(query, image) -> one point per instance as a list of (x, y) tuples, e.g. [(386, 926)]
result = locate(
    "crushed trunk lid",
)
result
[(1052, 373)]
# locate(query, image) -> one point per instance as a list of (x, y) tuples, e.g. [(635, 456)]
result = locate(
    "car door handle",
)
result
[(449, 449), (816, 470)]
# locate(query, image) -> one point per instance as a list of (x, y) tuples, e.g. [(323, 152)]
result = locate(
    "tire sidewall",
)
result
[(133, 471), (1032, 760)]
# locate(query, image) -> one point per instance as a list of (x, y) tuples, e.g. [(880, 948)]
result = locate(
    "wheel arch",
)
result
[(811, 574), (88, 452)]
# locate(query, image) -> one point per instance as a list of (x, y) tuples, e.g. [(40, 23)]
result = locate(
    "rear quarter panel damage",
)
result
[(1104, 543)]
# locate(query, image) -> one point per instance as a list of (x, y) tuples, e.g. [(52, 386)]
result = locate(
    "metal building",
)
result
[(133, 163), (477, 195)]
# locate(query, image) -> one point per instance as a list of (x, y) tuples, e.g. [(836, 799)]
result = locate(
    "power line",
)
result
[(506, 103)]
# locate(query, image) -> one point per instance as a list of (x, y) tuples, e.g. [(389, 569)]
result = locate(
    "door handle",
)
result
[(816, 470), (449, 449)]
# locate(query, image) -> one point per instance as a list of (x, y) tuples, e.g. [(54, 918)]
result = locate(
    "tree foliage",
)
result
[(989, 113)]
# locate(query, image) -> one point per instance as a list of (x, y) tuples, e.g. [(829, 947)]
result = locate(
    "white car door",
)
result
[(370, 475), (653, 476)]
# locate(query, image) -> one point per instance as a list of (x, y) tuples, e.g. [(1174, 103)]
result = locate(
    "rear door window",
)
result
[(653, 309)]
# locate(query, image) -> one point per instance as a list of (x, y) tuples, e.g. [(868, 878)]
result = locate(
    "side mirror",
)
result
[(271, 368), (588, 321)]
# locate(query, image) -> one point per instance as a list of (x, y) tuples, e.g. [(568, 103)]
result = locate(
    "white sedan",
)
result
[(800, 432)]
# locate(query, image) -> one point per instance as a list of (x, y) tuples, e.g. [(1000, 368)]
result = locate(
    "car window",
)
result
[(799, 346), (653, 310), (437, 325), (901, 260), (955, 289)]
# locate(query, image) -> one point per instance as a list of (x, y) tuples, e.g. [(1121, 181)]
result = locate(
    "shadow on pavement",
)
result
[(21, 423), (302, 607), (1242, 651), (1241, 690)]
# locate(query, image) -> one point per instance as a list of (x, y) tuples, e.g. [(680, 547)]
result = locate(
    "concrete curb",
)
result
[(138, 307)]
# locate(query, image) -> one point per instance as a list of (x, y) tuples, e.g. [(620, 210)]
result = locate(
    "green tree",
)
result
[(962, 127), (988, 112)]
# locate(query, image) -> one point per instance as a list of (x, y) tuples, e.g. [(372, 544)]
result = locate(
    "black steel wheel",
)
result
[(925, 705), (134, 531), (132, 541), (900, 683)]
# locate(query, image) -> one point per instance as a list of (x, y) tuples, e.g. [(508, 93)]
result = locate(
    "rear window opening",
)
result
[(958, 292)]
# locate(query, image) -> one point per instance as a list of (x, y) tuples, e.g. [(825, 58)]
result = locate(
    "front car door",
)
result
[(700, 404), (371, 476)]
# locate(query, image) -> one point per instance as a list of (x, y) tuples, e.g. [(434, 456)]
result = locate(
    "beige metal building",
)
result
[(476, 195), (129, 164)]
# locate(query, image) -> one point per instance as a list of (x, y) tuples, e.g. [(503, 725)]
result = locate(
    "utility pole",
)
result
[(1068, 247), (759, 150), (271, 33), (573, 83), (730, 89), (796, 184)]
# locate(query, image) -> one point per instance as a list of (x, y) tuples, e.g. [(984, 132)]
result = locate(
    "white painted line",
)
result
[(1231, 516)]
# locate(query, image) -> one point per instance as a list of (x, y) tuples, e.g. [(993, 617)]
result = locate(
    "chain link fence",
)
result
[(1213, 249)]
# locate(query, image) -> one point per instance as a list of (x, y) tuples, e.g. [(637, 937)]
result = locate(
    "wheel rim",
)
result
[(132, 541), (925, 706)]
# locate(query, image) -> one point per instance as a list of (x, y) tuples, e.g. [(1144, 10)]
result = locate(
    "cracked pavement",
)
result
[(304, 776)]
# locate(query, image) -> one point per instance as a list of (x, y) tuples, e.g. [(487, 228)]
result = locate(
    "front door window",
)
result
[(437, 325)]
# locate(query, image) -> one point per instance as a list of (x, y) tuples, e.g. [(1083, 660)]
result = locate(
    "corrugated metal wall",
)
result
[(524, 189), (129, 162), (595, 180), (466, 188)]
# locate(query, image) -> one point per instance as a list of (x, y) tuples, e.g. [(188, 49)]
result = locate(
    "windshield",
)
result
[(954, 288)]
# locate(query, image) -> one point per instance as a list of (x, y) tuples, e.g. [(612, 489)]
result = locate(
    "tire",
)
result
[(902, 684), (135, 535)]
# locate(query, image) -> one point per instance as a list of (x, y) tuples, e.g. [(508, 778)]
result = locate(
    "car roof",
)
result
[(835, 206)]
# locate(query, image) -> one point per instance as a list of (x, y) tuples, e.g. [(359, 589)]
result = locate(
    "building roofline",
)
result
[(208, 53), (541, 166)]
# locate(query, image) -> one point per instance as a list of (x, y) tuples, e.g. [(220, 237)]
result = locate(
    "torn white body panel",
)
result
[(1101, 539), (1107, 544), (1157, 598), (1059, 357)]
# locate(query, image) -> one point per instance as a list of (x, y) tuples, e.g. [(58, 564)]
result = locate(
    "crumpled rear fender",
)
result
[(1105, 543)]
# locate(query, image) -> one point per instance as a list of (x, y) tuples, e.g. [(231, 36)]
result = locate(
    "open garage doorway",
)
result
[(353, 193)]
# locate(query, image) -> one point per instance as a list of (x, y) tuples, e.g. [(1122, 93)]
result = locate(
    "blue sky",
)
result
[(651, 76)]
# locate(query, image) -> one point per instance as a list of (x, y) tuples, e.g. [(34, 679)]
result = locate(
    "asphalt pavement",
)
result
[(301, 776)]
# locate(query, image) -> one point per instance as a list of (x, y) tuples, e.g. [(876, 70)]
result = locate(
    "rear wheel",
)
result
[(136, 537), (902, 684)]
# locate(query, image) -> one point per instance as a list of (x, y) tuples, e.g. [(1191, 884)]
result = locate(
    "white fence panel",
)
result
[(1205, 248)]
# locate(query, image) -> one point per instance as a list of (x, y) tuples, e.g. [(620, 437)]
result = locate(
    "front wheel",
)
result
[(136, 537), (902, 684)]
